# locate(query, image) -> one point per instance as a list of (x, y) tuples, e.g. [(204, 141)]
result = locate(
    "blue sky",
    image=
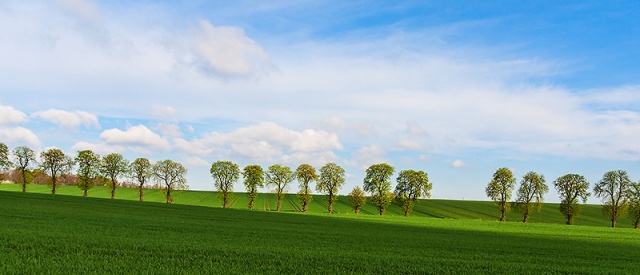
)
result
[(455, 88)]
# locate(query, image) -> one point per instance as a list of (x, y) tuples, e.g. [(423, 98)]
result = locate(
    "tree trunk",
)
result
[(503, 210), (406, 213), (84, 194), (330, 208), (225, 204), (278, 205), (169, 199), (357, 210), (570, 219), (141, 194), (24, 181), (526, 217), (636, 224), (24, 187), (613, 222), (113, 192), (251, 204), (304, 206), (381, 210), (53, 188)]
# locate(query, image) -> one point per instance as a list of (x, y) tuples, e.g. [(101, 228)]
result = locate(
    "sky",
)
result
[(457, 89)]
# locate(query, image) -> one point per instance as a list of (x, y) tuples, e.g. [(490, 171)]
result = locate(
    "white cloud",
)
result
[(409, 144), (18, 136), (99, 148), (368, 155), (228, 51), (266, 141), (87, 10), (9, 115), (196, 162), (164, 112), (169, 130), (137, 138), (68, 120), (458, 164)]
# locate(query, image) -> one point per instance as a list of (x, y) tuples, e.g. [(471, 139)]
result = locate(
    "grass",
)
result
[(451, 209), (45, 234)]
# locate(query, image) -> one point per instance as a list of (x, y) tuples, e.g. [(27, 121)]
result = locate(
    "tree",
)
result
[(500, 188), (377, 181), (5, 164), (140, 170), (305, 174), (357, 199), (225, 174), (532, 188), (54, 162), (571, 187), (634, 206), (171, 176), (279, 176), (331, 180), (412, 185), (253, 178), (114, 166), (614, 188), (88, 169), (24, 157)]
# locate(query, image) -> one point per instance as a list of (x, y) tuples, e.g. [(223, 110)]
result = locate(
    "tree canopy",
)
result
[(330, 183), (114, 166), (279, 176), (500, 188), (411, 186), (171, 175), (140, 170), (634, 203), (613, 189), (225, 174), (305, 174), (253, 179), (4, 157), (532, 189), (54, 162), (377, 181), (24, 157), (571, 188), (88, 169), (357, 199)]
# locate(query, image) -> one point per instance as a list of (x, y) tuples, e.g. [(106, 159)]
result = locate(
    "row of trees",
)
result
[(93, 168), (618, 193), (411, 186)]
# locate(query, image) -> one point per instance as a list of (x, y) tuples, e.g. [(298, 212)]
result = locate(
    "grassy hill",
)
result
[(451, 209), (45, 234)]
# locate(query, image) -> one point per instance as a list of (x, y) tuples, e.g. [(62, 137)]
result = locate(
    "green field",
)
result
[(41, 233), (475, 210)]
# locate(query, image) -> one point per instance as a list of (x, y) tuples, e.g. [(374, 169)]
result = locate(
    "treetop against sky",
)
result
[(455, 89)]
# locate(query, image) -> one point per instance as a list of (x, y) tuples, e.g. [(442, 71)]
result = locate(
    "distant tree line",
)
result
[(618, 193)]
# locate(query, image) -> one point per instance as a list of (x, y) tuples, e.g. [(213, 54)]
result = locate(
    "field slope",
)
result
[(450, 209), (41, 233)]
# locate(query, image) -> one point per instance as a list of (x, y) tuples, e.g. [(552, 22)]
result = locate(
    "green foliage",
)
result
[(500, 188), (331, 180), (305, 174), (197, 240), (171, 175), (4, 157), (88, 169), (114, 166), (24, 158), (570, 188), (357, 199), (614, 190), (377, 181), (140, 170), (412, 185), (225, 174), (634, 203), (54, 162), (279, 176), (532, 189), (253, 179)]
